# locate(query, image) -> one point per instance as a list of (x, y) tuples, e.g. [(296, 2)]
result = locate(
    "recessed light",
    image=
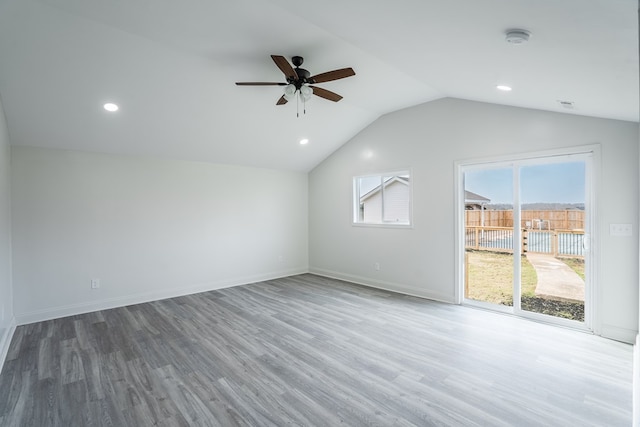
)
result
[(304, 141), (111, 107), (504, 88)]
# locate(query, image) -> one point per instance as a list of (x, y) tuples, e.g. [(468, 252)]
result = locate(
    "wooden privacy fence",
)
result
[(560, 243), (539, 219)]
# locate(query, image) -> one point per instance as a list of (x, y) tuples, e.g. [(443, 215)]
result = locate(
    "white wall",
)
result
[(429, 138), (636, 347), (7, 323), (146, 228)]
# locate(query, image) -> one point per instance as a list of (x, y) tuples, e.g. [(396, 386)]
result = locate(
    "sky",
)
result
[(547, 183)]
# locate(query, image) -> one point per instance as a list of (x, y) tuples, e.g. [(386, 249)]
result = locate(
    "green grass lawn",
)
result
[(576, 264), (490, 279)]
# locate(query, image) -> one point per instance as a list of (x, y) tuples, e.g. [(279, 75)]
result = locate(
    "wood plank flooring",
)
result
[(312, 351)]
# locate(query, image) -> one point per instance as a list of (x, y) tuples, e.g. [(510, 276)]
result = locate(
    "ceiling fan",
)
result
[(300, 81)]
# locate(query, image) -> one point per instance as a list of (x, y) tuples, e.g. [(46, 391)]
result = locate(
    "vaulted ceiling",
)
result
[(171, 67)]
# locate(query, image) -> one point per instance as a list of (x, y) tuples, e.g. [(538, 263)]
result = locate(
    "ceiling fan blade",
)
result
[(281, 101), (332, 75), (326, 94), (260, 84), (285, 67)]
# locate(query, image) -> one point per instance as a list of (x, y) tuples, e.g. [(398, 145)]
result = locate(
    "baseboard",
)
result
[(5, 342), (139, 298), (618, 334), (387, 286)]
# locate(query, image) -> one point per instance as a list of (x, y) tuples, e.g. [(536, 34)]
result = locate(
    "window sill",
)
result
[(389, 225)]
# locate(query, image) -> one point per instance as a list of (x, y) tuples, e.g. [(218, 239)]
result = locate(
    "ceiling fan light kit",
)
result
[(299, 81), (290, 92), (306, 92)]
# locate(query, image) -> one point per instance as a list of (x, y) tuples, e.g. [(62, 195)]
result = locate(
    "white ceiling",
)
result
[(171, 66)]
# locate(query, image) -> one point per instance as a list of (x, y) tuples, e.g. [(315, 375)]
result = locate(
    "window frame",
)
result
[(356, 196)]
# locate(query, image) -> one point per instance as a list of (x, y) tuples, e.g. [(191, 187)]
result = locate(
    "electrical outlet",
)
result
[(377, 266), (620, 229), (95, 283)]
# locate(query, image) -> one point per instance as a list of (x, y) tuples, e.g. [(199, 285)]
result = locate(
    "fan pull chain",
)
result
[(304, 104)]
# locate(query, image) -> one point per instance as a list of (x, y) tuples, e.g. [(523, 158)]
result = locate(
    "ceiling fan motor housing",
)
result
[(303, 75)]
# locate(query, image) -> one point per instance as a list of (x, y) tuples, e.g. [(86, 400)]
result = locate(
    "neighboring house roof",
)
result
[(387, 182), (470, 197)]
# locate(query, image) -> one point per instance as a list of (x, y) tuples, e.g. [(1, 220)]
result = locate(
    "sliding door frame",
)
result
[(592, 319)]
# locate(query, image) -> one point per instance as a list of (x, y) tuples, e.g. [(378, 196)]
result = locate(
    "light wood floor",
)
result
[(310, 351)]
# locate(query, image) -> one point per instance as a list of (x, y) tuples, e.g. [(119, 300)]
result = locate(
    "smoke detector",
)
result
[(517, 36)]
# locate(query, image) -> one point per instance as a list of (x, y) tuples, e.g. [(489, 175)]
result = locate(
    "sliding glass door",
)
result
[(526, 228), (489, 235), (553, 217)]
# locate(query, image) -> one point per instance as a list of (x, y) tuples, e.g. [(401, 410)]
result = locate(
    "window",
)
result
[(383, 199)]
